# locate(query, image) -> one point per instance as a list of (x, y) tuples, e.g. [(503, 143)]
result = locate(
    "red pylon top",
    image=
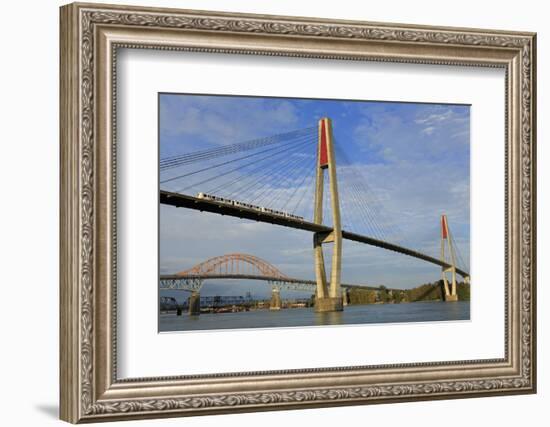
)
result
[(323, 154), (444, 227)]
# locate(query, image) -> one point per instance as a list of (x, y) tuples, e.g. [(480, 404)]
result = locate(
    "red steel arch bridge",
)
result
[(243, 267), (239, 266)]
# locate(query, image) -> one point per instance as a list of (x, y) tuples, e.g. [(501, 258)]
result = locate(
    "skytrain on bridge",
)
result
[(247, 206)]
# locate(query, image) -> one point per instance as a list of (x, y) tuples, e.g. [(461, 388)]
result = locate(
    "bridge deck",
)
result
[(185, 201), (265, 278)]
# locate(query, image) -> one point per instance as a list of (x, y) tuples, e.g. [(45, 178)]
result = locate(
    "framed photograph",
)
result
[(267, 212)]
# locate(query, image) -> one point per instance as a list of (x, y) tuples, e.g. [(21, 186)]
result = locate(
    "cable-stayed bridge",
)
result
[(282, 180)]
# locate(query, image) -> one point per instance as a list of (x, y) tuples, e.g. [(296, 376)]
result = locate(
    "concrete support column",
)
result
[(329, 304), (320, 273), (450, 294), (445, 284), (451, 298), (275, 299), (450, 291), (336, 266), (195, 304), (328, 295), (453, 284)]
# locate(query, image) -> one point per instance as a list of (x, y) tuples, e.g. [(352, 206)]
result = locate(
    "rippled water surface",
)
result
[(355, 314)]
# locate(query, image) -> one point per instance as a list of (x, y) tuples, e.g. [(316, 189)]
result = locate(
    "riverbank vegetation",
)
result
[(425, 292)]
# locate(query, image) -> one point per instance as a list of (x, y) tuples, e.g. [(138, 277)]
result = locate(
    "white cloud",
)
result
[(435, 117), (226, 121), (428, 130)]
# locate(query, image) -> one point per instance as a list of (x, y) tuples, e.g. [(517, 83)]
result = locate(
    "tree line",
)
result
[(425, 292)]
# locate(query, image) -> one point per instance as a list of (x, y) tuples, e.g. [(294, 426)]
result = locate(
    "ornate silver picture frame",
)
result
[(92, 36)]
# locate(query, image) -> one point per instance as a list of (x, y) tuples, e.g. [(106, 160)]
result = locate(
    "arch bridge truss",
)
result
[(237, 266)]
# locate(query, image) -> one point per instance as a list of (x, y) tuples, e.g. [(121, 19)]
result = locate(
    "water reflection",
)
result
[(354, 314), (329, 318)]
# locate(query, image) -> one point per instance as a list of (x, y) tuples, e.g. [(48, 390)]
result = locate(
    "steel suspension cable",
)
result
[(356, 193), (312, 168), (261, 182), (251, 177), (230, 171), (309, 184), (463, 265), (217, 165), (281, 176), (373, 213), (231, 148), (377, 208), (179, 160), (287, 180), (363, 210)]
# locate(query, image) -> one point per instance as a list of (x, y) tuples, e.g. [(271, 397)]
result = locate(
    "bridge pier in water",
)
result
[(451, 298), (195, 304), (275, 303), (328, 304)]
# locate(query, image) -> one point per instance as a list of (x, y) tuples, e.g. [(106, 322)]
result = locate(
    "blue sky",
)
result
[(415, 158)]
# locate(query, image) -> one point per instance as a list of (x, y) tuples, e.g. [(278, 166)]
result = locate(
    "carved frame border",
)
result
[(90, 390)]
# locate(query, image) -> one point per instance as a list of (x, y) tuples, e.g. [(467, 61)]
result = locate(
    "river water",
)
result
[(432, 311)]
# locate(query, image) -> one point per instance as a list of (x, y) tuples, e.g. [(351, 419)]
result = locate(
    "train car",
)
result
[(231, 202)]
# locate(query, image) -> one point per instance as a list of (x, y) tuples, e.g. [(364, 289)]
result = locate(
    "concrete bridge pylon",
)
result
[(446, 242), (328, 293)]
